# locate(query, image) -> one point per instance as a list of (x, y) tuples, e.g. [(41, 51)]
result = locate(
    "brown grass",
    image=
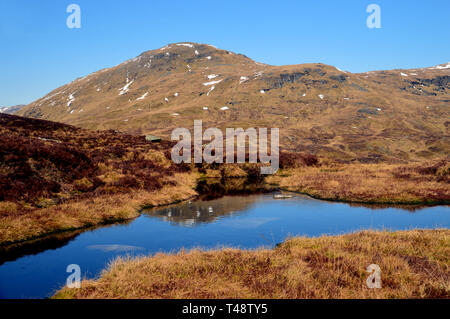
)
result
[(414, 264), (44, 163), (19, 225), (55, 177), (424, 183)]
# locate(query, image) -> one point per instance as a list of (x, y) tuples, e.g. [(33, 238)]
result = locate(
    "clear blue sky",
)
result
[(39, 53)]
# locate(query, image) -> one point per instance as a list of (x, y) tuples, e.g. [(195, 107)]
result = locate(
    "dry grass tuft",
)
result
[(422, 183), (414, 264), (21, 225)]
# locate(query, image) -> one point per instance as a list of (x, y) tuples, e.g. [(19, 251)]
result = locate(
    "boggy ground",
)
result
[(416, 183), (413, 264), (56, 177), (17, 226), (422, 183)]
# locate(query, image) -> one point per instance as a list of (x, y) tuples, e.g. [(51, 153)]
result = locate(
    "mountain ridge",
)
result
[(394, 115), (11, 109)]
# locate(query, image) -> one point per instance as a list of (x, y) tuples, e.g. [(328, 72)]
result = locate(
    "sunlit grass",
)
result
[(24, 225), (422, 183), (414, 264)]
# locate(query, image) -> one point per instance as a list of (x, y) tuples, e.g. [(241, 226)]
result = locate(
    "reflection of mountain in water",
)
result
[(195, 213)]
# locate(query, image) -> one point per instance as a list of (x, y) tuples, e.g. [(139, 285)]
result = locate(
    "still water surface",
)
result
[(38, 270)]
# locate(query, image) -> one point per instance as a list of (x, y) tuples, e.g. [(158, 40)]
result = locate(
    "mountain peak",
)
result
[(441, 66), (320, 108)]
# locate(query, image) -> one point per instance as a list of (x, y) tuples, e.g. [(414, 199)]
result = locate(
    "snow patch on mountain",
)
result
[(341, 70), (142, 97), (126, 88), (441, 67), (210, 90), (71, 99), (447, 66), (52, 96), (186, 45), (243, 79), (212, 82)]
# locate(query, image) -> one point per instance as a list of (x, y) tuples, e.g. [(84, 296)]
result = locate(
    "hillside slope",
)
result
[(44, 163), (397, 115), (11, 109), (56, 177)]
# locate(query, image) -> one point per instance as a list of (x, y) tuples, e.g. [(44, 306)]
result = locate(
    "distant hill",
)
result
[(11, 109), (397, 115)]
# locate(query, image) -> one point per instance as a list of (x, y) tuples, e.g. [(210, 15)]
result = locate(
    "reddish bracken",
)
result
[(40, 159)]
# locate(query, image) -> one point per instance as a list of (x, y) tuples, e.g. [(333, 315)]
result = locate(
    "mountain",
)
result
[(11, 109), (397, 115)]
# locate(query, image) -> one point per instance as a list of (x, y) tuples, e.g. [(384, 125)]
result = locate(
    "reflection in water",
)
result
[(115, 248), (32, 247), (408, 208), (37, 269), (195, 213)]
